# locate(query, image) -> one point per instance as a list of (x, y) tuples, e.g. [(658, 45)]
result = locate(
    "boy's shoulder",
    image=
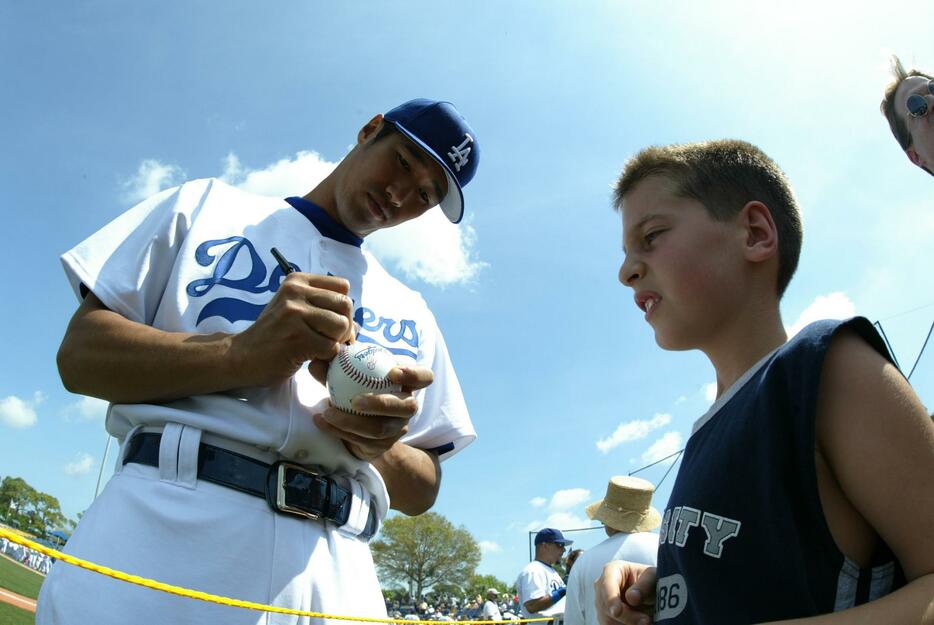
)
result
[(818, 337), (797, 368), (878, 442)]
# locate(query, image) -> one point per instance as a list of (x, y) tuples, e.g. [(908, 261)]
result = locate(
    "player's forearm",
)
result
[(913, 604), (108, 356), (542, 603), (412, 478)]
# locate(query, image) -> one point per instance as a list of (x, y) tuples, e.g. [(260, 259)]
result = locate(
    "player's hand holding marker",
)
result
[(309, 317), (316, 314)]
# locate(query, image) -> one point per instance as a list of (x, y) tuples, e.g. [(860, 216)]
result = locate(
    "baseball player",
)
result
[(236, 476), (541, 589)]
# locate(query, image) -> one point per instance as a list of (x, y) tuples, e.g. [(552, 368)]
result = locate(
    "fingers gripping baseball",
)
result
[(365, 436), (372, 399), (308, 318), (411, 379)]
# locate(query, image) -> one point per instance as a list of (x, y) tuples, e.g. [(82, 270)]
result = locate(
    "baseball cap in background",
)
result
[(441, 131), (551, 535)]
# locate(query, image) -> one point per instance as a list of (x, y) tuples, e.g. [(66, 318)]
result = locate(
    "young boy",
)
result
[(805, 489)]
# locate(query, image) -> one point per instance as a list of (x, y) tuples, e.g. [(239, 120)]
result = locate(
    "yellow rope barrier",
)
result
[(203, 596)]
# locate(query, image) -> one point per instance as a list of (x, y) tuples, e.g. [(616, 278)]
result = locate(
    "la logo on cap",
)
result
[(459, 153)]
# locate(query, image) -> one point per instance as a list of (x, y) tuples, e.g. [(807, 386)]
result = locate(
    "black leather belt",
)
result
[(288, 488)]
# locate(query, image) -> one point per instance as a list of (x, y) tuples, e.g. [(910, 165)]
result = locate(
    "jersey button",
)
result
[(301, 454)]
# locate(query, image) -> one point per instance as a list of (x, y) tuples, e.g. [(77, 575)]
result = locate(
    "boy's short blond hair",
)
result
[(724, 176)]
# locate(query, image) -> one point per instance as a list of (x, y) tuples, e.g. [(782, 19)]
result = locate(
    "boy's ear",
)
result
[(761, 233), (370, 129)]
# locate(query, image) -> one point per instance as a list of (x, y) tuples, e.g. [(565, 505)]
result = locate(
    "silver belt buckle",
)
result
[(283, 468)]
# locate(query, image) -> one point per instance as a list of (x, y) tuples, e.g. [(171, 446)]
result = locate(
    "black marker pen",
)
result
[(286, 267)]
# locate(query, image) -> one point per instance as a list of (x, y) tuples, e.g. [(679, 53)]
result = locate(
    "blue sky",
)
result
[(105, 102)]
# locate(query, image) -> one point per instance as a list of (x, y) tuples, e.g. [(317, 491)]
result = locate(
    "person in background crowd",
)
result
[(628, 518), (569, 561), (490, 610), (541, 589)]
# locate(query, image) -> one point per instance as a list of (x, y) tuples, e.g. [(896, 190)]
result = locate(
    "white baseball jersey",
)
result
[(490, 611), (640, 547), (196, 259), (536, 580)]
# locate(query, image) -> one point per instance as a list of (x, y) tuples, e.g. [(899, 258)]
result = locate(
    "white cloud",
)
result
[(233, 173), (560, 520), (152, 177), (81, 465), (681, 400), (709, 391), (19, 413), (285, 177), (833, 306), (488, 546), (89, 408), (429, 248), (568, 498), (633, 430), (560, 510), (668, 444)]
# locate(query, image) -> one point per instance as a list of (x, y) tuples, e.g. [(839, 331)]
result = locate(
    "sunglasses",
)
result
[(917, 104)]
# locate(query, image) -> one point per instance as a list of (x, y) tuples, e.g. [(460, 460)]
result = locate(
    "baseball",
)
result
[(359, 368)]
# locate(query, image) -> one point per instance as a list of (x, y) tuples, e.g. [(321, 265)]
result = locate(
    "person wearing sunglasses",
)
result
[(908, 106), (541, 589)]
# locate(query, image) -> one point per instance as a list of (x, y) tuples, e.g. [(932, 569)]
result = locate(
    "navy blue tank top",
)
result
[(744, 539)]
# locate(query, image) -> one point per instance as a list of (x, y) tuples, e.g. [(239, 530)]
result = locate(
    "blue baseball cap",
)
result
[(441, 131), (551, 535)]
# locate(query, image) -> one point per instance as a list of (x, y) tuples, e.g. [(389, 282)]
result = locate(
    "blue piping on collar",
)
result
[(323, 222)]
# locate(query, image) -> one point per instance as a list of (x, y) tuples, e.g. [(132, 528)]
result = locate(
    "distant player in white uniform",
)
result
[(490, 611), (236, 475), (541, 589), (628, 516)]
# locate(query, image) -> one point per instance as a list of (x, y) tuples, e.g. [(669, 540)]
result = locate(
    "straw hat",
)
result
[(627, 506)]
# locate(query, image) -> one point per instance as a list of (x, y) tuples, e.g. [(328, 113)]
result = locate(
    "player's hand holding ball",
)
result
[(372, 398)]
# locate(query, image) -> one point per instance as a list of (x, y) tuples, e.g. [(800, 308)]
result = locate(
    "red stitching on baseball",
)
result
[(371, 382)]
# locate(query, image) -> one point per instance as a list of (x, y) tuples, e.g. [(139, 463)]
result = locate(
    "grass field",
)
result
[(14, 616), (19, 579)]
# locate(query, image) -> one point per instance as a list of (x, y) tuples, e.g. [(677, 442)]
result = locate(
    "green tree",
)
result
[(30, 510), (423, 551), (479, 584)]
